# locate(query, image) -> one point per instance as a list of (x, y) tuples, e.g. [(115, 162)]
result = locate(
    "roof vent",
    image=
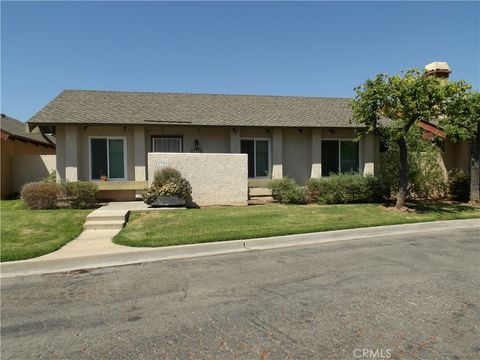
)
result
[(438, 68)]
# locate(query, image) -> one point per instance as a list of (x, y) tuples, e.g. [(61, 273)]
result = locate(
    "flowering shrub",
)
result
[(167, 174), (167, 182)]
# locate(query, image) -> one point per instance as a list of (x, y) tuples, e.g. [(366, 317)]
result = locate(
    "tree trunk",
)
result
[(403, 180), (475, 168)]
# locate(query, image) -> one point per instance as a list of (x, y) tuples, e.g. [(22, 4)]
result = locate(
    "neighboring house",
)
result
[(108, 134), (15, 142)]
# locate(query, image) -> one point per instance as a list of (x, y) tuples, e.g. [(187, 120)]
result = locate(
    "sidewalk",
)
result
[(115, 255), (101, 226)]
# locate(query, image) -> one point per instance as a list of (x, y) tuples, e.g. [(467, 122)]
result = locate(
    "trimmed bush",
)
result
[(81, 194), (168, 174), (378, 189), (458, 185), (287, 191), (296, 195), (347, 189), (167, 182), (41, 195), (280, 185)]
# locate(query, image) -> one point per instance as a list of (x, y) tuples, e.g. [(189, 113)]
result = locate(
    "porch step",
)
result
[(104, 225), (261, 200), (101, 216), (259, 192)]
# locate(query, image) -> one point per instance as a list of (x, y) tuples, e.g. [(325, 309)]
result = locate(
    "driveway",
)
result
[(410, 297)]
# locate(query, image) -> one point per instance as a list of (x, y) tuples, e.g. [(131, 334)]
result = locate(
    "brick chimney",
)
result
[(438, 68)]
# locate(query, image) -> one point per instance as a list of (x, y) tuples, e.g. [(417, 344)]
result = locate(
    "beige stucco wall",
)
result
[(216, 179), (211, 139), (60, 158), (66, 147), (298, 149), (31, 168), (368, 150), (297, 155), (290, 145), (10, 148)]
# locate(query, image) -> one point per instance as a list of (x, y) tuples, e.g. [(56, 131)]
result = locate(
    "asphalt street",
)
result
[(400, 297)]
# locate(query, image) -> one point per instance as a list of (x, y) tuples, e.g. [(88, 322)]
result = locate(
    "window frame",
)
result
[(339, 140), (125, 169), (153, 137), (254, 139)]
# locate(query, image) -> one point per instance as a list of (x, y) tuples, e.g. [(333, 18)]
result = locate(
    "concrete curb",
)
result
[(143, 255)]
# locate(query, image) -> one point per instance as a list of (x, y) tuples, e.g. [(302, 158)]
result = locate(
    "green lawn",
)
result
[(164, 228), (29, 233)]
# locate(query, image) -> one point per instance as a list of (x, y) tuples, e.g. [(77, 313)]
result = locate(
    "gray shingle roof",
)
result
[(112, 107), (17, 129)]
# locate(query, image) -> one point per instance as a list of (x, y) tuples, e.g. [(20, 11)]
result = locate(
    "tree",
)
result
[(462, 123), (391, 106)]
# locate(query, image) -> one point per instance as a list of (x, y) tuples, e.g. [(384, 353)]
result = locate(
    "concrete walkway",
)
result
[(108, 254), (101, 226)]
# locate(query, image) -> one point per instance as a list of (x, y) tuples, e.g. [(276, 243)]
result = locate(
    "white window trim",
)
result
[(125, 170), (255, 156), (153, 137), (340, 153)]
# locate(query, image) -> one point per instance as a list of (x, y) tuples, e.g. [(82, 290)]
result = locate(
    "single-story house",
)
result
[(109, 134), (16, 141), (106, 133)]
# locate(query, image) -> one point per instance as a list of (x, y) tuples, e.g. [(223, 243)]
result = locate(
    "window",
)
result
[(258, 151), (339, 156), (107, 158), (167, 144), (348, 156)]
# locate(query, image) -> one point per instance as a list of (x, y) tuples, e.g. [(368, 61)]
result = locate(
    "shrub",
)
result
[(41, 195), (168, 174), (287, 191), (458, 185), (344, 189), (50, 178), (296, 195), (278, 186), (150, 195), (379, 190), (167, 182), (81, 194)]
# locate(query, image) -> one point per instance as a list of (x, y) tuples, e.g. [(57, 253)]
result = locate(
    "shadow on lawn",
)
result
[(440, 208)]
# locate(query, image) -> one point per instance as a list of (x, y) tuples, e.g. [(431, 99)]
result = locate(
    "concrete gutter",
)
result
[(143, 255)]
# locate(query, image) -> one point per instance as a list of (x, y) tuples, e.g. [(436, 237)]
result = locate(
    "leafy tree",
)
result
[(426, 178), (391, 106), (462, 123)]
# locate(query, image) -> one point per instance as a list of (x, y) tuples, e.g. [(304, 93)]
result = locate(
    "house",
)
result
[(108, 134), (15, 142)]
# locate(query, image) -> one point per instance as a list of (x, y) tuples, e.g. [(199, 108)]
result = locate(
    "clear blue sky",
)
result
[(314, 48)]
